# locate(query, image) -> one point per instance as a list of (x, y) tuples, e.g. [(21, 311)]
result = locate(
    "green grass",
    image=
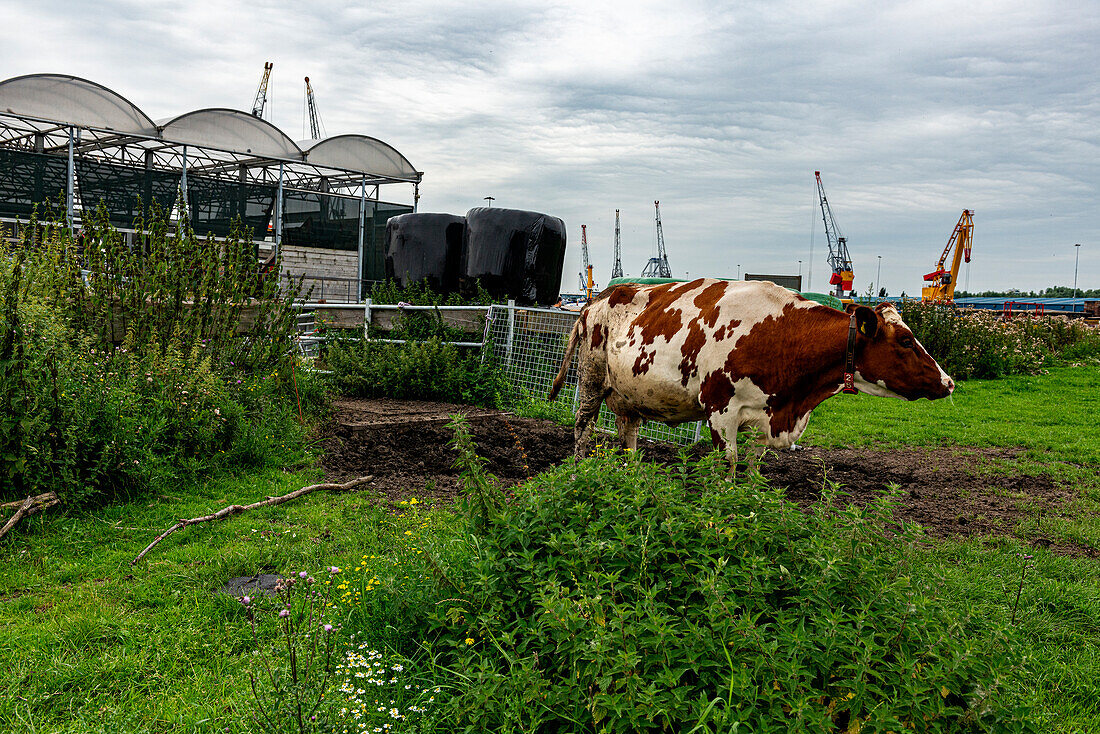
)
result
[(89, 644), (1053, 416)]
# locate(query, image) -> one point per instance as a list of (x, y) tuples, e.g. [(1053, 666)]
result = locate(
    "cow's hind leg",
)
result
[(628, 424), (590, 398), (723, 433)]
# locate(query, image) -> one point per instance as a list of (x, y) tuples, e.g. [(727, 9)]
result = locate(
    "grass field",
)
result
[(90, 644)]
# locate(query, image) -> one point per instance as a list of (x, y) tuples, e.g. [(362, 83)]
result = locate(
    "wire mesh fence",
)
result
[(529, 345)]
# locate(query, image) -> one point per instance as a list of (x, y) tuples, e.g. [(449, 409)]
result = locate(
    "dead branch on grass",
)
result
[(30, 506), (237, 509)]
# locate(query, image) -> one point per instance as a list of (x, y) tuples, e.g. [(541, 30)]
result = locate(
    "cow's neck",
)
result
[(815, 376)]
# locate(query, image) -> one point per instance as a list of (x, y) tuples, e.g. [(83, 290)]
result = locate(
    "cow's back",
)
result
[(659, 342)]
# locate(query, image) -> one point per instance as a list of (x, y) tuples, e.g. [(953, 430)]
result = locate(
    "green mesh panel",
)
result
[(214, 203), (28, 178), (313, 219), (125, 190)]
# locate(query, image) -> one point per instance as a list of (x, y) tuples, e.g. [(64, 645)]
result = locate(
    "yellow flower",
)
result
[(469, 640)]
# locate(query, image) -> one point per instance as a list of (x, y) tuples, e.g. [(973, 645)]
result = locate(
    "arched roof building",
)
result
[(64, 136)]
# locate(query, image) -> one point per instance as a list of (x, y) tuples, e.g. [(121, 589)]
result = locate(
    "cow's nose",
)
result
[(950, 386)]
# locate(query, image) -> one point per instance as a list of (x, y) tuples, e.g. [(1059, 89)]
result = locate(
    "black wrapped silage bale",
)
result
[(514, 254), (425, 247)]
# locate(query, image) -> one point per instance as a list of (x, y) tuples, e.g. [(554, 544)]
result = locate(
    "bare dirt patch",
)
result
[(951, 490)]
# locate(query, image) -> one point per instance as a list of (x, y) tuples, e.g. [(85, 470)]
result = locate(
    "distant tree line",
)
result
[(1057, 291)]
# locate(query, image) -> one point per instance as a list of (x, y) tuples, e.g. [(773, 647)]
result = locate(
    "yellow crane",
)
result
[(941, 288)]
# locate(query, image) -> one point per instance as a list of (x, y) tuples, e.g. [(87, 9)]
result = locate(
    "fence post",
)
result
[(366, 318), (698, 431), (511, 334)]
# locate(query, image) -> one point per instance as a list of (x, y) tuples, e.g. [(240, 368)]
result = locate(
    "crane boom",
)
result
[(942, 282), (261, 93), (839, 259), (657, 267), (617, 267), (315, 127)]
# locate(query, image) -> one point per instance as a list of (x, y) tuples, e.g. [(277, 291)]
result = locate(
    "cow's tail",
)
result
[(569, 349)]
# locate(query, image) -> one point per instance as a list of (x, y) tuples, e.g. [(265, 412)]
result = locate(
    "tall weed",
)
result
[(124, 367)]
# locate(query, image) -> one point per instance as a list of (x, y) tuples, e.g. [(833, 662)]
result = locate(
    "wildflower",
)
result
[(303, 574), (284, 613), (469, 640), (328, 628)]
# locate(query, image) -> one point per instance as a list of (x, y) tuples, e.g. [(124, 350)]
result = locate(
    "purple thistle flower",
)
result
[(284, 613)]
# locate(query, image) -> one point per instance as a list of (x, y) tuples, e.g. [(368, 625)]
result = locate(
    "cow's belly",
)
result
[(657, 393)]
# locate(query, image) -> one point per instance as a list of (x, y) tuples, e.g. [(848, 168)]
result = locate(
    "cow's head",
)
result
[(890, 362)]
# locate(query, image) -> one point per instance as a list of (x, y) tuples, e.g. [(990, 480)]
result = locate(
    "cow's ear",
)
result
[(866, 321)]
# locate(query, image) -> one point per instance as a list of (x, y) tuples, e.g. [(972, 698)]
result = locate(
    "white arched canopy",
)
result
[(360, 153), (230, 130), (71, 100)]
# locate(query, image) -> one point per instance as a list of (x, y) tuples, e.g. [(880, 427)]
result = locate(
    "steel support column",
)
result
[(184, 214), (69, 186), (362, 228), (279, 215)]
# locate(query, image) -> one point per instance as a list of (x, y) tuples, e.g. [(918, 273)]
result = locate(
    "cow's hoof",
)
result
[(795, 447)]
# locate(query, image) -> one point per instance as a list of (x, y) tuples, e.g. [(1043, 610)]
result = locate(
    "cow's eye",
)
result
[(906, 342)]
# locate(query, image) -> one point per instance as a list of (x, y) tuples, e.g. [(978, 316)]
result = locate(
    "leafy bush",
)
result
[(614, 595), (416, 370), (122, 368), (979, 344)]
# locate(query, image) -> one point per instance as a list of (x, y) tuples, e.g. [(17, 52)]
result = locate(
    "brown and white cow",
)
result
[(737, 354)]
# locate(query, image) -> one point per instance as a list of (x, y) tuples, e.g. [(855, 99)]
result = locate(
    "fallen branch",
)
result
[(237, 509), (30, 506)]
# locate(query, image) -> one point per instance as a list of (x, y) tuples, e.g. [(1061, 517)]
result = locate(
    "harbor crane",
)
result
[(261, 93), (315, 127), (941, 288), (839, 260), (587, 284), (657, 267), (617, 267)]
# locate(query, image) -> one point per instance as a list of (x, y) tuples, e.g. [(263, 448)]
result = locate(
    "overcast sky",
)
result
[(912, 111)]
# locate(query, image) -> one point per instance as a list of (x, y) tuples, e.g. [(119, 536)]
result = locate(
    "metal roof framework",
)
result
[(46, 113), (64, 115)]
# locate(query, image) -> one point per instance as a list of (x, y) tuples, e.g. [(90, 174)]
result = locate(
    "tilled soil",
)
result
[(951, 491)]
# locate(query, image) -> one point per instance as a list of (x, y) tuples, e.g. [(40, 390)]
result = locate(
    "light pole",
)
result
[(489, 201), (1076, 259), (878, 277), (800, 270), (739, 271)]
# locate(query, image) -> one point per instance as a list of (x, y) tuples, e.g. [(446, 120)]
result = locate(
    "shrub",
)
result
[(123, 367), (614, 595), (416, 370), (979, 344)]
